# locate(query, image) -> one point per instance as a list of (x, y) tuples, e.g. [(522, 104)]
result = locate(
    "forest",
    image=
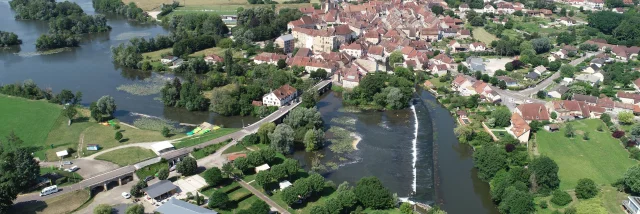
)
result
[(383, 91), (131, 11), (621, 29)]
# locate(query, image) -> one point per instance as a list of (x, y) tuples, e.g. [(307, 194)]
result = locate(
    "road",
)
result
[(129, 169), (263, 197)]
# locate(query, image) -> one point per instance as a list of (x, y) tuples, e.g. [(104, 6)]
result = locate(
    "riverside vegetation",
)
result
[(9, 39)]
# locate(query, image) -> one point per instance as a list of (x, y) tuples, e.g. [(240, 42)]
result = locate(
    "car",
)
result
[(72, 169), (148, 178), (528, 101), (126, 195), (66, 163)]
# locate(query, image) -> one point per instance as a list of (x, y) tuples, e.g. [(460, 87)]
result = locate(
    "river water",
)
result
[(391, 144)]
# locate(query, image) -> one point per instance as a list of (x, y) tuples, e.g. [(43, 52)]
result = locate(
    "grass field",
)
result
[(195, 140), (30, 120), (217, 51), (484, 36), (104, 136), (127, 156), (602, 158), (208, 150), (151, 169), (61, 204)]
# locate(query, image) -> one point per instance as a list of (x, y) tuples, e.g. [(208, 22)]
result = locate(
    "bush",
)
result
[(163, 174), (116, 127), (561, 198), (586, 189), (617, 134), (570, 210), (544, 204)]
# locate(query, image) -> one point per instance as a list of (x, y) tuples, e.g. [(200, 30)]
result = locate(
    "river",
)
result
[(391, 144)]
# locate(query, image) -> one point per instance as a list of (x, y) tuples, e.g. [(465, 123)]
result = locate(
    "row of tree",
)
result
[(184, 94), (9, 39)]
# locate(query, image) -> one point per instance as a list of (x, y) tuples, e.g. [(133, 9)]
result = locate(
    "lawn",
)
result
[(198, 139), (217, 51), (66, 203), (484, 36), (151, 170), (602, 158), (104, 136), (436, 82), (207, 150), (63, 136), (127, 156), (30, 120)]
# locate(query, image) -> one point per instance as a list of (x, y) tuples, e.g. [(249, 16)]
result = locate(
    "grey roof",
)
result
[(476, 64), (533, 75), (588, 78), (176, 206), (560, 89), (159, 188), (586, 98), (594, 67), (286, 37), (597, 61)]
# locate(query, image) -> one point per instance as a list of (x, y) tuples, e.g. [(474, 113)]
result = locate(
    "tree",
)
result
[(568, 130), (264, 178), (313, 139), (554, 66), (541, 94), (626, 117), (106, 105), (541, 45), (571, 13), (259, 207), (395, 57), (489, 160), (605, 21), (631, 179), (372, 194), (586, 189), (69, 112), (561, 198), (606, 118), (545, 171), (406, 208), (438, 10), (218, 199), (508, 66), (282, 138), (264, 131), (563, 12), (213, 176), (554, 115), (309, 99), (188, 166), (319, 210), (517, 201), (165, 131), (227, 169), (135, 209), (502, 116), (163, 174), (282, 64), (118, 136), (241, 164), (567, 70), (502, 84), (136, 190), (102, 209)]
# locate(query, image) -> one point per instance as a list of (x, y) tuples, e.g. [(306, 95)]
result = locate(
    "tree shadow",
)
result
[(124, 140), (80, 120), (28, 207)]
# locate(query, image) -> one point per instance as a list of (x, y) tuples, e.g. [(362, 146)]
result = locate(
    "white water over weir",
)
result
[(415, 149)]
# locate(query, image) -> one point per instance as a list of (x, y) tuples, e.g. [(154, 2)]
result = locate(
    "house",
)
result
[(508, 80), (598, 62), (93, 147), (428, 84), (481, 87), (477, 46), (540, 69), (160, 191), (354, 50), (168, 59), (280, 96), (630, 98), (262, 167), (462, 84), (317, 40), (488, 9), (286, 42), (590, 100), (213, 59), (464, 34), (376, 52), (591, 69), (462, 117), (177, 206), (533, 111), (558, 91), (441, 70), (350, 77), (532, 76), (492, 96), (591, 79), (567, 21), (162, 147), (519, 128), (284, 184), (269, 58), (566, 109), (464, 7), (476, 64), (632, 204)]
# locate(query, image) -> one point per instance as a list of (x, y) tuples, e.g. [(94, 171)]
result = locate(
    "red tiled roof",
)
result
[(534, 111), (519, 125), (284, 91)]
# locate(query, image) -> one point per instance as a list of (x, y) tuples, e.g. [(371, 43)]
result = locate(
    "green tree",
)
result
[(502, 116), (545, 173), (489, 160), (309, 99), (406, 208), (319, 210), (102, 209), (213, 176), (541, 94), (188, 166), (135, 209), (218, 199), (241, 164), (282, 64), (555, 65), (227, 169), (561, 198), (106, 105), (165, 131), (264, 131), (118, 136), (438, 10), (568, 130), (605, 118), (136, 190), (586, 189), (70, 112), (631, 179), (554, 115), (502, 84), (395, 57), (313, 139), (517, 201), (264, 178), (163, 174), (567, 70), (282, 138), (372, 194), (541, 45), (626, 117)]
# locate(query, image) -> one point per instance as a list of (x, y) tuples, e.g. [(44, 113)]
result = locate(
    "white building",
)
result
[(280, 96)]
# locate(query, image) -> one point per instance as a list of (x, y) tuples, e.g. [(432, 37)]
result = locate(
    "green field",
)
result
[(602, 158), (31, 120), (198, 139), (127, 156), (484, 36), (104, 136), (151, 170)]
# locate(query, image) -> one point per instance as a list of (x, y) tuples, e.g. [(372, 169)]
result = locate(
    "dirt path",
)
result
[(79, 151), (263, 197)]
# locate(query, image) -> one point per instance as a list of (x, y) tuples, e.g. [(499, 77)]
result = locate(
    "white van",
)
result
[(72, 169), (49, 190)]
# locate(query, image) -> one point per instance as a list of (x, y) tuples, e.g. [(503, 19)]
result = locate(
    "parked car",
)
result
[(66, 163), (72, 169), (126, 195), (148, 178)]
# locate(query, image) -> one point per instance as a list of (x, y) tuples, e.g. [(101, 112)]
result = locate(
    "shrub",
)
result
[(116, 127), (586, 189), (570, 210), (544, 204), (561, 198), (617, 134), (634, 153), (509, 147)]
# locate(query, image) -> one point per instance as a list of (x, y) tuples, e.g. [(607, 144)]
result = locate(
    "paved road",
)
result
[(263, 197), (542, 85)]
